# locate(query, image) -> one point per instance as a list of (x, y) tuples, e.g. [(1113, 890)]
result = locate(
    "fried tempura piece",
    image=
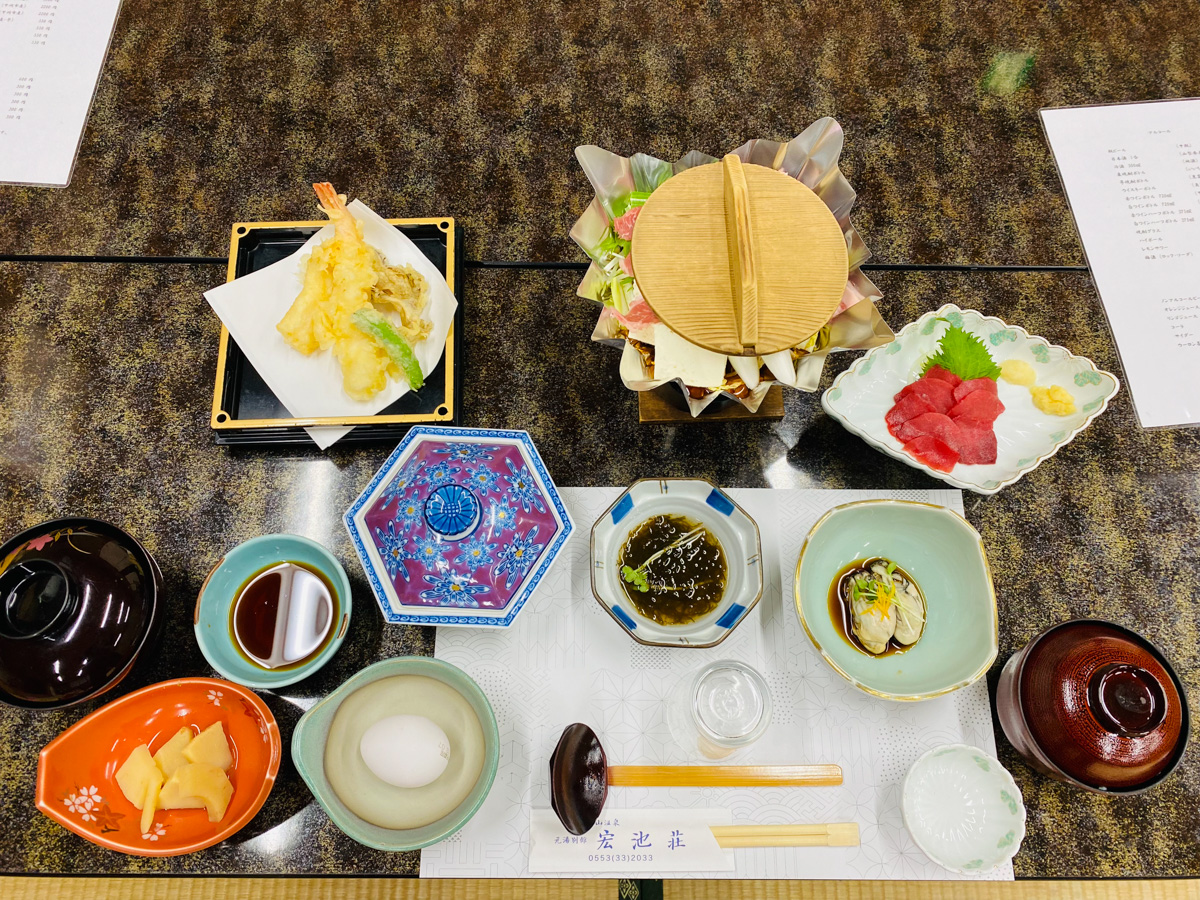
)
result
[(343, 275)]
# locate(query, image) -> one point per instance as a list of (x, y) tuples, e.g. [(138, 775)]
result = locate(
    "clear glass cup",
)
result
[(721, 709)]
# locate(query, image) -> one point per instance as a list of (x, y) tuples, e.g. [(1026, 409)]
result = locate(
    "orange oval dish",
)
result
[(76, 783)]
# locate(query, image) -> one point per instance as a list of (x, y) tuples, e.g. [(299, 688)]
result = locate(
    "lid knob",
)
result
[(743, 253), (36, 597), (452, 511), (1126, 700)]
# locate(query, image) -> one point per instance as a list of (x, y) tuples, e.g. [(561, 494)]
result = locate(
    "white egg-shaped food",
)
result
[(406, 751)]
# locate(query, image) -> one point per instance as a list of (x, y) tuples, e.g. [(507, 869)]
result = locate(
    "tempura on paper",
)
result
[(368, 312)]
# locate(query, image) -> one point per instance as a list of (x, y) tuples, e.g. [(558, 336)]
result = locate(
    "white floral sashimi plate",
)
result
[(861, 396)]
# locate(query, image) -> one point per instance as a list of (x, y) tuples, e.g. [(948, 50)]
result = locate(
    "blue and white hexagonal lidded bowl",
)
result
[(458, 527)]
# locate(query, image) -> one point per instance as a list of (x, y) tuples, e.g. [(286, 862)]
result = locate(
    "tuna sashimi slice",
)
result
[(910, 406), (940, 426), (976, 442), (934, 453), (943, 375), (939, 393), (978, 405), (975, 384)]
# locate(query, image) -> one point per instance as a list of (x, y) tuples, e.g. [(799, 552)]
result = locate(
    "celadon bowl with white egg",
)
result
[(366, 754)]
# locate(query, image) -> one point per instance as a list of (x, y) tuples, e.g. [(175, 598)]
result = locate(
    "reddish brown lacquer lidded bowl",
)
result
[(1095, 705)]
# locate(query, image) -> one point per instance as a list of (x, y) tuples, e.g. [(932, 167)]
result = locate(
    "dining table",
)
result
[(210, 113)]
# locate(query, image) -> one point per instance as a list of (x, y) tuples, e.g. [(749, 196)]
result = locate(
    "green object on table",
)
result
[(1008, 73), (373, 324), (963, 354)]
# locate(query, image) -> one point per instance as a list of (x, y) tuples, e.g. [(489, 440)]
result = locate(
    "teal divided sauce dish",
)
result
[(312, 733), (214, 607), (945, 557)]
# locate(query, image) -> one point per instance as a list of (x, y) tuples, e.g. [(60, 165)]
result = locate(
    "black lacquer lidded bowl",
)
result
[(79, 600)]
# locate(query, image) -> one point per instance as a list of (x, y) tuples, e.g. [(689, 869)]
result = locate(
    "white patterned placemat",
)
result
[(564, 660)]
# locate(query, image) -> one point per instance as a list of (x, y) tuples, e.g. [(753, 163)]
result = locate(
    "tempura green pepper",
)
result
[(373, 324)]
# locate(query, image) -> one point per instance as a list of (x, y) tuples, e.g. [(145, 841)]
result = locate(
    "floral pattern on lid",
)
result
[(459, 520)]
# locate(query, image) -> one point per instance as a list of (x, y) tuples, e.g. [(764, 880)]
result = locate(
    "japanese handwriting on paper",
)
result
[(606, 839), (676, 840), (641, 840)]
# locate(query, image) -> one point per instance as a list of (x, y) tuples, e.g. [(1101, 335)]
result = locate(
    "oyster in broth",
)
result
[(877, 606)]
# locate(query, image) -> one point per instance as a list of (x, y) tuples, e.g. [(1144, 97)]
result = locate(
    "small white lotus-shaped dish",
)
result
[(706, 504), (963, 809), (1026, 437)]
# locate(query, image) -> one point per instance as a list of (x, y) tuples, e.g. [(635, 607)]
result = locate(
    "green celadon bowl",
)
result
[(945, 556), (312, 731), (220, 590)]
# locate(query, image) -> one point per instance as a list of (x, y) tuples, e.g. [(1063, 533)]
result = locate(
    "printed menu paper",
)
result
[(565, 660), (51, 53), (626, 841), (1132, 176)]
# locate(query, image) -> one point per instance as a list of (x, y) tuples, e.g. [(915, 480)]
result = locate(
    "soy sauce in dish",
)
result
[(254, 613), (840, 605), (673, 570)]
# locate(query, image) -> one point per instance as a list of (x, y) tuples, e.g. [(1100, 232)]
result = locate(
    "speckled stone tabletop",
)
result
[(209, 113)]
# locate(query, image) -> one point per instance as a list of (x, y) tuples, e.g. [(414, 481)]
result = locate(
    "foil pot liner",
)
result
[(811, 158)]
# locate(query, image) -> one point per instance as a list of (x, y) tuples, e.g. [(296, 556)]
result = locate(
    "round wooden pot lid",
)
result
[(740, 259)]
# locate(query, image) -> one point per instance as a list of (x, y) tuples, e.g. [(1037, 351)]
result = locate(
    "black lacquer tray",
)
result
[(246, 412)]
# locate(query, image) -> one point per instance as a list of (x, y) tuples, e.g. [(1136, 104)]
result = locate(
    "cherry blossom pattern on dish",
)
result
[(214, 697), (253, 715), (39, 542), (475, 553), (518, 556), (156, 831), (522, 488), (465, 452), (393, 550), (83, 802), (453, 589)]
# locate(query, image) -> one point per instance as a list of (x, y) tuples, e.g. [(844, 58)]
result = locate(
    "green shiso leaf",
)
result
[(963, 354)]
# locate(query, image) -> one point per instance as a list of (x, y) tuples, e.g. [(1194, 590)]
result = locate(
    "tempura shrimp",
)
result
[(344, 275)]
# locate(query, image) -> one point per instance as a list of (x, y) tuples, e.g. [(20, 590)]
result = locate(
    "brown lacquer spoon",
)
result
[(580, 777)]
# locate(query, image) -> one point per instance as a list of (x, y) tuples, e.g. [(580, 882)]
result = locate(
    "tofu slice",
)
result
[(211, 747)]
